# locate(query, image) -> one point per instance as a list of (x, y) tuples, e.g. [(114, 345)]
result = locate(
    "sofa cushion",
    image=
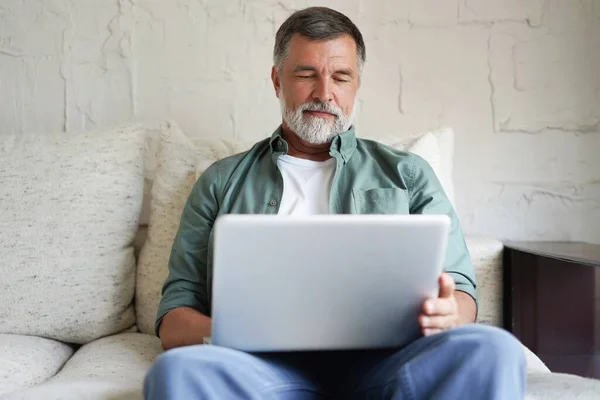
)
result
[(113, 368), (70, 207), (179, 161), (560, 387), (28, 360)]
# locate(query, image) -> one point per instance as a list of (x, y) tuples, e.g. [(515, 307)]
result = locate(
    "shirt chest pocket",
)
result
[(381, 201)]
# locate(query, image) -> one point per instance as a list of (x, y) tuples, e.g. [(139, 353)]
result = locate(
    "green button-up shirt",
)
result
[(369, 178)]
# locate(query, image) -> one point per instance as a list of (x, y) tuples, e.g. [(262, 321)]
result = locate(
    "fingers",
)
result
[(438, 322), (440, 314), (439, 306), (429, 332), (447, 286)]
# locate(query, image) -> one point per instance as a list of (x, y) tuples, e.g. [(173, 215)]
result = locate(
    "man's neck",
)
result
[(300, 148)]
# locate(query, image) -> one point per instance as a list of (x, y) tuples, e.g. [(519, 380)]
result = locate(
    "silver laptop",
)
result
[(329, 282)]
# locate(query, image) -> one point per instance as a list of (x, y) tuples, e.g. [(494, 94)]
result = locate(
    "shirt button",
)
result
[(273, 203)]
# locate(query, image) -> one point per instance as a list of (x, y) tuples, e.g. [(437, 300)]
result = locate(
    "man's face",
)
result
[(317, 87)]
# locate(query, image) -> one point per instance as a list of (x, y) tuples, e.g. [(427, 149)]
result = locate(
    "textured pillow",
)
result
[(180, 161), (177, 161), (70, 207)]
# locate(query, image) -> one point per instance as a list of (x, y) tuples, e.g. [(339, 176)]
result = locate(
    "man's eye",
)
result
[(304, 76), (340, 80)]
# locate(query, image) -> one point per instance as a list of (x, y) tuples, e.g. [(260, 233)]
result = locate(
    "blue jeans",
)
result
[(470, 362)]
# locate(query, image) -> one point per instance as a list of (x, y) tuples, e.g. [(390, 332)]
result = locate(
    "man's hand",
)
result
[(441, 313)]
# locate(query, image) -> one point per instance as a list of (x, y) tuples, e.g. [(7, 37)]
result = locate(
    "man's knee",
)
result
[(201, 370), (178, 360), (491, 343), (168, 362)]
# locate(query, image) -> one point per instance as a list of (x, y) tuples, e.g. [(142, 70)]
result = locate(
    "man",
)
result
[(313, 164)]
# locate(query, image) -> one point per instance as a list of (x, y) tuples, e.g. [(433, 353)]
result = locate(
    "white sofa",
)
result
[(81, 274)]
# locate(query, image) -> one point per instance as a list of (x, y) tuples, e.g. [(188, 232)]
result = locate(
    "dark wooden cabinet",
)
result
[(551, 302)]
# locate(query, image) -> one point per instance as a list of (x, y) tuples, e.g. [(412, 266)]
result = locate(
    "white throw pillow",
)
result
[(177, 161), (70, 208), (180, 161)]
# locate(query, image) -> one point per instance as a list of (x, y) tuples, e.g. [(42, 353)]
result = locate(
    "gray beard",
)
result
[(313, 129)]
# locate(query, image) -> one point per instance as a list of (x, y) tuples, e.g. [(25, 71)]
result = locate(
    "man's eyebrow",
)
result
[(305, 68), (302, 68), (347, 71)]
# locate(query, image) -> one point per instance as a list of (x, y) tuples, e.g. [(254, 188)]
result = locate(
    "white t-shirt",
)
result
[(306, 185)]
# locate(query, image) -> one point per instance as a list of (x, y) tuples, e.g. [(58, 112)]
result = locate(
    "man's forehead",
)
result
[(341, 49)]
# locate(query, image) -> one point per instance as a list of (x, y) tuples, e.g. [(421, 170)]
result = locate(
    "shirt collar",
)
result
[(343, 144)]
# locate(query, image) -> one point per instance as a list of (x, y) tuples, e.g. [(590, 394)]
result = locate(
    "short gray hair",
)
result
[(315, 24)]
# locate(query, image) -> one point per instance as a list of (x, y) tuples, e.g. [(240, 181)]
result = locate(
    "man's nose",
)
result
[(323, 91)]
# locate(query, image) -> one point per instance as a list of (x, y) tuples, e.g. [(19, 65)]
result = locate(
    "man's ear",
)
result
[(275, 79)]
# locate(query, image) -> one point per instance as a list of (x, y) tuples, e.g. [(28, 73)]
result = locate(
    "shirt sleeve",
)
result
[(186, 284), (428, 197)]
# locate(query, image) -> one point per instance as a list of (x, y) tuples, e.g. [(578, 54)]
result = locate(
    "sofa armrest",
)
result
[(486, 255)]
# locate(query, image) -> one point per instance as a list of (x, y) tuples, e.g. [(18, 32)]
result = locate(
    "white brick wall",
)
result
[(518, 80), (493, 11)]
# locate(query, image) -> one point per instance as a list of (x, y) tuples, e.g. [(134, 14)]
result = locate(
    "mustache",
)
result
[(321, 107)]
